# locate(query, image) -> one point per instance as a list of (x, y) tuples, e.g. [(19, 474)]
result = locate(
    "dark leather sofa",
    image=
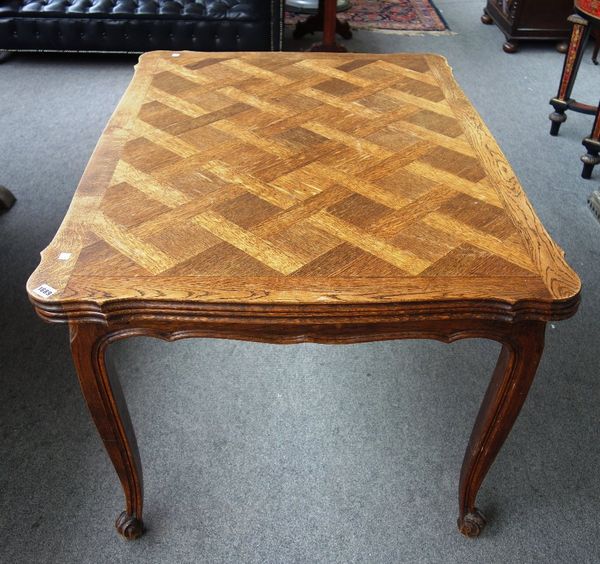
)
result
[(136, 26)]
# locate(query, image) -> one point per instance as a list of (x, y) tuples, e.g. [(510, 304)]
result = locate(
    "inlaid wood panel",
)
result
[(274, 178)]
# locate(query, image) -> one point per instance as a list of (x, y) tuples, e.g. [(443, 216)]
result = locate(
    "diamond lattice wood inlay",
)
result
[(295, 197), (294, 177)]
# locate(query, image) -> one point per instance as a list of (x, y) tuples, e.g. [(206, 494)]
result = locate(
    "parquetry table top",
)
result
[(292, 197), (295, 178)]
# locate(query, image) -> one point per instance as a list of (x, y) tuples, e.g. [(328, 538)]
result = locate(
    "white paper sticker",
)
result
[(64, 256), (175, 54), (45, 291)]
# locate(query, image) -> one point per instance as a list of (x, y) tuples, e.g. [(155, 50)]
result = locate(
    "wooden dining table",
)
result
[(283, 198)]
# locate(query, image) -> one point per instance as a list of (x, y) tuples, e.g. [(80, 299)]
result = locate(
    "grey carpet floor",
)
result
[(307, 453)]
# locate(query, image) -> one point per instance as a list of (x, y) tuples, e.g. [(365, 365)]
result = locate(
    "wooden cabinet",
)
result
[(544, 20)]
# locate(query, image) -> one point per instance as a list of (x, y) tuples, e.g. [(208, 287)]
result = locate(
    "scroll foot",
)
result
[(510, 46), (129, 527), (522, 348), (472, 524)]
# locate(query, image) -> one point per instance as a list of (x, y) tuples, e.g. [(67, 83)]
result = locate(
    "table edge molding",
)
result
[(280, 315), (562, 283)]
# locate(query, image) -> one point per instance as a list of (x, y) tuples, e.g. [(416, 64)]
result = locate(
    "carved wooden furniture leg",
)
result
[(7, 198), (325, 20), (330, 23), (506, 393), (560, 103), (315, 23), (592, 144), (102, 392)]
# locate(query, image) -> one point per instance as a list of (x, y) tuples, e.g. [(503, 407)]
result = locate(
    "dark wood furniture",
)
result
[(543, 20), (294, 197), (7, 198), (325, 20), (585, 21)]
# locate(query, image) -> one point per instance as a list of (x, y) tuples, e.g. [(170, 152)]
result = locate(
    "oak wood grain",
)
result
[(292, 197), (207, 183)]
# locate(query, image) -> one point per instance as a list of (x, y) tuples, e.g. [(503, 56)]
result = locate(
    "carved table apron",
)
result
[(293, 197)]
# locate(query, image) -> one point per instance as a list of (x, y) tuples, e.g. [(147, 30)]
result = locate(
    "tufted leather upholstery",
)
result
[(140, 25), (201, 9)]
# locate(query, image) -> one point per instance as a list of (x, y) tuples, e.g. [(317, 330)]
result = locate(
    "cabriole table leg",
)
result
[(104, 397), (506, 393)]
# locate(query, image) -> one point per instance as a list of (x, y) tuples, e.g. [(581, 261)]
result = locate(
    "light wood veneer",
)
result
[(289, 197)]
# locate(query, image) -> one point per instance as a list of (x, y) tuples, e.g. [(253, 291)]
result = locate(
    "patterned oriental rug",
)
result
[(393, 15)]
